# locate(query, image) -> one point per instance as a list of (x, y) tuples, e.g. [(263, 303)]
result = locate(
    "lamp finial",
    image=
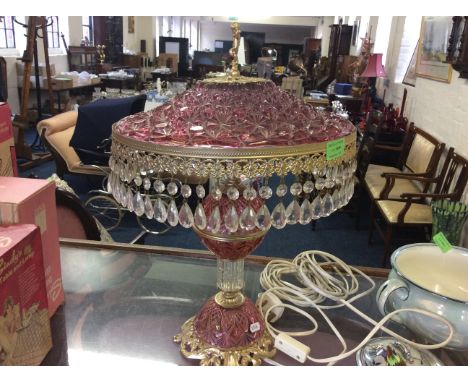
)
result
[(235, 48)]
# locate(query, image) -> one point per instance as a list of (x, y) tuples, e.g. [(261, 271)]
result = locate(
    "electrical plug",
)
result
[(270, 300)]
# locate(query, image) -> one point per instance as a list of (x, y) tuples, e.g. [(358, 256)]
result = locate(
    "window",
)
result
[(382, 36), (7, 32), (409, 43), (53, 35), (88, 35)]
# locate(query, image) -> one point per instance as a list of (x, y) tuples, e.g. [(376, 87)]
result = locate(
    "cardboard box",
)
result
[(25, 334), (60, 83), (32, 82), (42, 69), (32, 201), (169, 60), (8, 165)]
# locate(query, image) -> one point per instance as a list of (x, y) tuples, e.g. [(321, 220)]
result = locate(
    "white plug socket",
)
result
[(268, 301), (292, 347)]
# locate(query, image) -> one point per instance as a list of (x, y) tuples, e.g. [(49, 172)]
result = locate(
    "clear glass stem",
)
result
[(230, 275)]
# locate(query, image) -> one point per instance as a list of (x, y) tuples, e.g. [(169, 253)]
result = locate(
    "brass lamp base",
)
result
[(193, 347)]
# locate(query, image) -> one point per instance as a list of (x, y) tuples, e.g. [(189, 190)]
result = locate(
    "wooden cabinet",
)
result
[(340, 40), (83, 58)]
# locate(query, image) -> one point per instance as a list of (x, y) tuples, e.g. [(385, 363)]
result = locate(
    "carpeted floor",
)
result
[(335, 234)]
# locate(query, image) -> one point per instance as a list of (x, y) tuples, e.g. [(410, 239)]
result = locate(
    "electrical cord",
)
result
[(319, 287)]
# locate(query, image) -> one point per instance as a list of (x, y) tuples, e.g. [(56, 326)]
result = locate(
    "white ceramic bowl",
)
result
[(424, 277)]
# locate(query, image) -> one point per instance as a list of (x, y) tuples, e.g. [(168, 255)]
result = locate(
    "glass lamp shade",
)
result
[(237, 132), (374, 67)]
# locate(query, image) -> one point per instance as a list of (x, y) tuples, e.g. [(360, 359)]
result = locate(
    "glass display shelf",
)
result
[(125, 303)]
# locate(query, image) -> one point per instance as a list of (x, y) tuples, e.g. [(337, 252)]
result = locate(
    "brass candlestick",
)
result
[(101, 52)]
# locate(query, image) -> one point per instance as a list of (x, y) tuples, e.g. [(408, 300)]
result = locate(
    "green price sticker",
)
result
[(335, 149), (441, 241)]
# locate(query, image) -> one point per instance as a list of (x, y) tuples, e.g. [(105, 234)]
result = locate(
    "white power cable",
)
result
[(320, 285)]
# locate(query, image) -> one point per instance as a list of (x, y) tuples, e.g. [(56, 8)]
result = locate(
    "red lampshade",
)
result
[(374, 67)]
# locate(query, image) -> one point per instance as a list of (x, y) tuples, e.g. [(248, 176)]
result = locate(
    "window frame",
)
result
[(51, 31), (90, 27), (4, 29)]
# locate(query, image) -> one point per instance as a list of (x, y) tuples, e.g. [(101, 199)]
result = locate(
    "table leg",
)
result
[(59, 103)]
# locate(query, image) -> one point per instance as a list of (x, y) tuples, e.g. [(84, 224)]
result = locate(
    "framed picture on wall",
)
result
[(131, 24), (410, 75), (433, 41)]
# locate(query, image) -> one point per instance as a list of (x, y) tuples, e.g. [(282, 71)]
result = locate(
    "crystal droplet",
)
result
[(200, 217), (308, 186), (130, 206), (214, 222), (138, 181), (186, 191), (160, 210), (172, 214), (350, 191), (185, 216), (247, 219), (172, 188), (109, 184), (146, 184), (159, 186), (336, 199), (149, 211), (316, 208), (281, 190), (295, 189), (265, 192), (327, 205), (305, 216), (263, 218), (292, 212), (200, 191), (231, 219), (122, 195), (278, 216), (138, 204)]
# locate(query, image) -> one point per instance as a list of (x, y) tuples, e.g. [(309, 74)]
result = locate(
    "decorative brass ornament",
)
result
[(229, 300), (231, 162), (192, 347)]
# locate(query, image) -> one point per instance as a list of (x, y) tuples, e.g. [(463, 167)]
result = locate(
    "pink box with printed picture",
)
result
[(25, 332), (32, 201)]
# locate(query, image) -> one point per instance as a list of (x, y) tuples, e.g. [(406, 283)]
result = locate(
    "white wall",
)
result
[(323, 31), (75, 28), (144, 30)]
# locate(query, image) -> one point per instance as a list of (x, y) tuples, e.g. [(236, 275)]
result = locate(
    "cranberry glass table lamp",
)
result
[(238, 132)]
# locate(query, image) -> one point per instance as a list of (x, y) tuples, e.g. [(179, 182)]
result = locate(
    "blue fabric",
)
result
[(94, 125)]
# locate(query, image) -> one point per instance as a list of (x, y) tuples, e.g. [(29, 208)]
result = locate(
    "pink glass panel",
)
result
[(231, 115), (228, 328)]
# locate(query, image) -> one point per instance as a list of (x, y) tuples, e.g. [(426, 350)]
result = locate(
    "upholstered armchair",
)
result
[(56, 133), (412, 209), (419, 156), (76, 139)]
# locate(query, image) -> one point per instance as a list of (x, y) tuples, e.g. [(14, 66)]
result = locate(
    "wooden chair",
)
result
[(363, 158), (412, 209), (419, 155)]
